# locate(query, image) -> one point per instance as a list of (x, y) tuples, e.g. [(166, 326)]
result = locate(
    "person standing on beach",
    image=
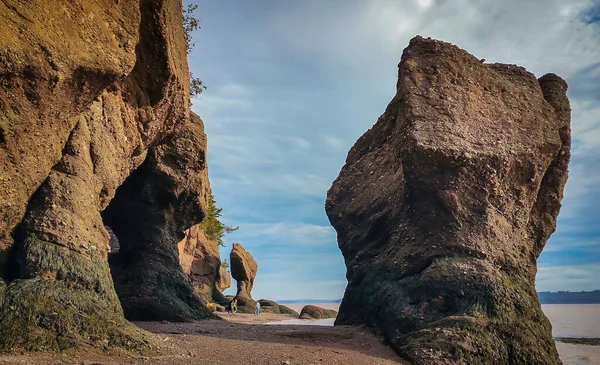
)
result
[(257, 309), (234, 305)]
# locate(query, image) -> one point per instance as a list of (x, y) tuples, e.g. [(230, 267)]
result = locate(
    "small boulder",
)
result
[(270, 306), (314, 312)]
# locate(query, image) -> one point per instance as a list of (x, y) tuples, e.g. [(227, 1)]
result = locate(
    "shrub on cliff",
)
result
[(212, 226)]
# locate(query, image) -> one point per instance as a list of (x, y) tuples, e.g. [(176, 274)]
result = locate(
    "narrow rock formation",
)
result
[(444, 205), (199, 257), (94, 118), (223, 280), (243, 270)]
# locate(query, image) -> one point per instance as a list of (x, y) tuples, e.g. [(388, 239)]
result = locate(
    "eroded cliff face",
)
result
[(95, 130), (445, 204), (201, 262)]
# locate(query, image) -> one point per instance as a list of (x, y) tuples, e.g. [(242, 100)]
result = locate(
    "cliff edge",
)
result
[(95, 131)]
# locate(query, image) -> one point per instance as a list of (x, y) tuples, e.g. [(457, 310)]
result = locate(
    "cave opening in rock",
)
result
[(119, 220), (144, 258)]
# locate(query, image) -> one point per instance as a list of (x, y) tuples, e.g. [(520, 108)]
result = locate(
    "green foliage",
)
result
[(225, 264), (190, 24), (76, 308), (196, 86), (212, 226)]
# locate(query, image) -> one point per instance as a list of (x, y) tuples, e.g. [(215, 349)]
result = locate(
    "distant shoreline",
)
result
[(588, 341), (560, 297), (568, 297)]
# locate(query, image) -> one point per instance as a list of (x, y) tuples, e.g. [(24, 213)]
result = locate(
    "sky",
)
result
[(292, 84)]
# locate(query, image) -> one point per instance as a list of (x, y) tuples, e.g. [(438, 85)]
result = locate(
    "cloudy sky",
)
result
[(293, 83)]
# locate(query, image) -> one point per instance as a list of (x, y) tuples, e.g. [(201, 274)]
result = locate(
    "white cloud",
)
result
[(573, 278), (326, 70), (585, 124), (291, 232), (569, 243), (234, 89), (424, 4), (334, 143)]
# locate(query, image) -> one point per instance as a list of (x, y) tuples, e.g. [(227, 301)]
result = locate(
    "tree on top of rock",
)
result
[(212, 226)]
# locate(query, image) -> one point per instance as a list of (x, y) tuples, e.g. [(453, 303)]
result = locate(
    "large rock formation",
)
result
[(200, 260), (95, 96), (243, 270), (444, 205)]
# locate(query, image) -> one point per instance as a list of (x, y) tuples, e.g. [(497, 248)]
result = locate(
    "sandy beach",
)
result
[(239, 339), (273, 339)]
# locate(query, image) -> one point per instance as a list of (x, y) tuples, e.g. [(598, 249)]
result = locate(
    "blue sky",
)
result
[(292, 85)]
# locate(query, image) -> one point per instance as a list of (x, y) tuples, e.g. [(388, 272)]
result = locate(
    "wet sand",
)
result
[(240, 339), (246, 339)]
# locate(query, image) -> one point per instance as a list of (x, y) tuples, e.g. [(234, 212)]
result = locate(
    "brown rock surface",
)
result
[(224, 279), (87, 107), (315, 312), (444, 205), (243, 270), (200, 260)]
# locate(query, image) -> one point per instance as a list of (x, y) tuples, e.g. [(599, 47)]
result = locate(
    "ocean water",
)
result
[(574, 320), (568, 320)]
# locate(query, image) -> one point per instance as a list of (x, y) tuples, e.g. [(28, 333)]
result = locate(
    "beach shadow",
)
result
[(339, 339)]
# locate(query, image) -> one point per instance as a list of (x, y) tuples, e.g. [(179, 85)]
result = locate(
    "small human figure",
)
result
[(234, 305), (257, 309)]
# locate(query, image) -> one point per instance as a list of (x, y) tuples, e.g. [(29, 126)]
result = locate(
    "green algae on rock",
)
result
[(270, 306)]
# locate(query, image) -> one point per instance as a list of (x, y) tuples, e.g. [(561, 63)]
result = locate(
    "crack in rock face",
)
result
[(445, 204)]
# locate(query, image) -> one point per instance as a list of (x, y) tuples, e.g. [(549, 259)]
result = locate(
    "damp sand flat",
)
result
[(245, 339), (239, 339)]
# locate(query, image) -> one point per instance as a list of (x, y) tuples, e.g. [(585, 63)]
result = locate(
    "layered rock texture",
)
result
[(95, 130), (444, 205), (200, 260), (243, 270)]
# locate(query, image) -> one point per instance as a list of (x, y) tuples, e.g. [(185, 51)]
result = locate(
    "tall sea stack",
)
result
[(445, 204)]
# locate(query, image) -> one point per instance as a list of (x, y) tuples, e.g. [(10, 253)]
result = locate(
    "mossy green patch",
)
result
[(64, 300), (270, 306), (51, 315), (2, 290), (174, 291)]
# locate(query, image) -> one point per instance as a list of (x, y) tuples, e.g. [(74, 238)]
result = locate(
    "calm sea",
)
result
[(568, 320)]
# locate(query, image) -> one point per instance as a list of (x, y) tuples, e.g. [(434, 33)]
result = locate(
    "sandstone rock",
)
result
[(444, 205), (224, 280), (315, 312), (270, 306), (200, 260), (243, 270), (87, 107), (113, 240)]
